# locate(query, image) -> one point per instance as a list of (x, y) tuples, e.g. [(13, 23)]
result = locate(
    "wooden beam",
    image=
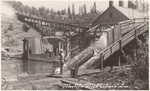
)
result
[(120, 44), (101, 61)]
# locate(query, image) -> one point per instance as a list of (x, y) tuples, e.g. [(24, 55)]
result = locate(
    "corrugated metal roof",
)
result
[(131, 13)]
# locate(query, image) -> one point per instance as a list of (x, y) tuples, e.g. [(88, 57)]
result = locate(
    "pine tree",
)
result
[(65, 11), (73, 11), (79, 10), (95, 7), (84, 9), (58, 12), (33, 10), (69, 12), (62, 12)]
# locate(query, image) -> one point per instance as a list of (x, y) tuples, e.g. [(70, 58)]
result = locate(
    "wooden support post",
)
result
[(135, 34), (119, 61), (101, 61), (25, 49), (135, 46), (71, 54), (79, 44), (135, 54), (120, 45), (120, 30), (113, 35), (61, 66), (66, 52), (111, 51), (24, 41), (76, 71)]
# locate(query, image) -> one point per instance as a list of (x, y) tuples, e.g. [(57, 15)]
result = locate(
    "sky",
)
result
[(102, 5)]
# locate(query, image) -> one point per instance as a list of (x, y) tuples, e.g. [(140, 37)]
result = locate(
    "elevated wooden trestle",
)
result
[(49, 27)]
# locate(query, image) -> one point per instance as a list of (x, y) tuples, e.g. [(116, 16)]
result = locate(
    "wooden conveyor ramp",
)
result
[(91, 57)]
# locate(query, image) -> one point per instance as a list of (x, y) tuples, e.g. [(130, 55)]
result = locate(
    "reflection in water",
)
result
[(35, 67), (18, 66), (25, 65)]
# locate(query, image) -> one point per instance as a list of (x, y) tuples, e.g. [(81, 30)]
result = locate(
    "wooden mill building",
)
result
[(111, 17), (114, 14)]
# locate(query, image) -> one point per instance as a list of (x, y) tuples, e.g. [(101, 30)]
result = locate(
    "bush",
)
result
[(139, 70)]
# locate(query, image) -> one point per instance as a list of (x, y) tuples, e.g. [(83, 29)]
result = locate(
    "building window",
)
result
[(110, 15)]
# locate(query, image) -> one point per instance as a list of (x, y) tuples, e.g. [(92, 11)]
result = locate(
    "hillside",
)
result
[(12, 29), (13, 32)]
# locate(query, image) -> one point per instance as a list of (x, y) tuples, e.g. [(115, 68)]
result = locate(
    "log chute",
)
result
[(79, 59)]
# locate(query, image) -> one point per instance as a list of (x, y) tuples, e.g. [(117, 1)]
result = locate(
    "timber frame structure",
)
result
[(49, 27)]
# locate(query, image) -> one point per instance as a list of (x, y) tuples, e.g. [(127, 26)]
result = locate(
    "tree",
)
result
[(65, 11), (73, 11), (95, 7), (79, 10), (84, 9), (51, 11), (58, 12), (37, 13), (42, 11), (33, 10), (47, 11), (27, 9), (69, 12), (62, 12), (18, 6)]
